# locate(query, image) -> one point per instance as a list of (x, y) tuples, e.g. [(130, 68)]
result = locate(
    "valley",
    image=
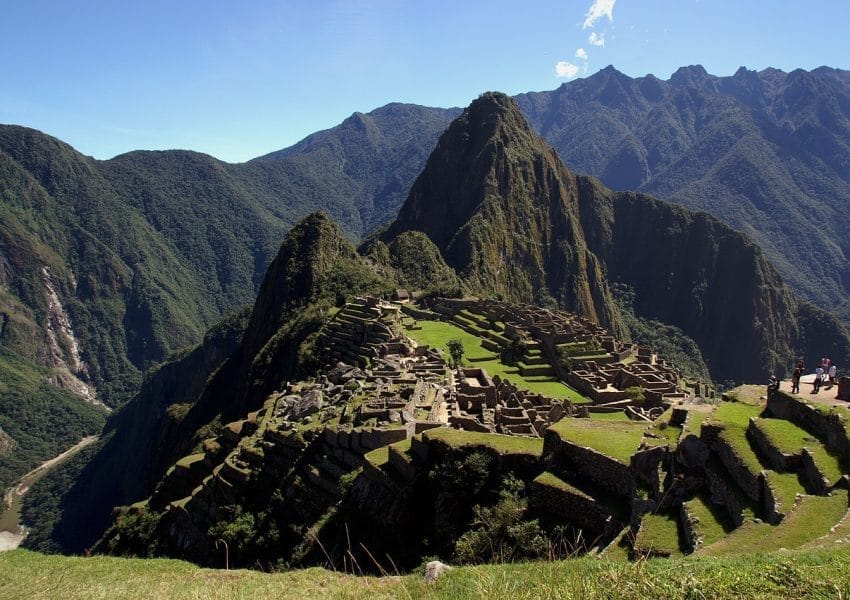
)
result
[(12, 532)]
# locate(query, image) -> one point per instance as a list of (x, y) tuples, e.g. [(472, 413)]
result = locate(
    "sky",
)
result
[(240, 79)]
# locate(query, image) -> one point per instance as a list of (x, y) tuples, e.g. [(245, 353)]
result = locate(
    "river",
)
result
[(12, 531)]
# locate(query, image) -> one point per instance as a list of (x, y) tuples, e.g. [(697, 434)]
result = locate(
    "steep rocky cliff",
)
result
[(502, 208), (513, 221)]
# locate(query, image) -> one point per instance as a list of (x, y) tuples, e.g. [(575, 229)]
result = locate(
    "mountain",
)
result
[(514, 222), (240, 361), (765, 152), (687, 269), (501, 208), (109, 267)]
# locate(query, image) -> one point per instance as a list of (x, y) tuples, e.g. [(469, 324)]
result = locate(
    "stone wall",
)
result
[(826, 426), (593, 466), (750, 482), (723, 493), (567, 504)]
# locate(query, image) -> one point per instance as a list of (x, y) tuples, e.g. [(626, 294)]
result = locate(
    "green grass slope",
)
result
[(812, 574)]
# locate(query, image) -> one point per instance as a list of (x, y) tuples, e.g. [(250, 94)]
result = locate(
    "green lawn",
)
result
[(504, 444), (658, 534), (799, 575), (812, 517), (790, 439), (617, 439), (438, 333)]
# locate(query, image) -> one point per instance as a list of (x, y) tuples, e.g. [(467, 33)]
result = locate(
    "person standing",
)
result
[(795, 380), (818, 379), (833, 371)]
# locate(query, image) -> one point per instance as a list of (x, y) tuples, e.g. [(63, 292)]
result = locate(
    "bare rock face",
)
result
[(306, 405), (434, 570)]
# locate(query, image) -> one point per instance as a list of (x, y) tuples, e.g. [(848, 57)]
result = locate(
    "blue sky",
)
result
[(240, 79)]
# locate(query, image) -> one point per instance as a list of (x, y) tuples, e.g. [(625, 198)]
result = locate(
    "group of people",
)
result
[(825, 372)]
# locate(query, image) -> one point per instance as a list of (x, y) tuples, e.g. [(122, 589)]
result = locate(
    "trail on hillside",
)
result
[(11, 531)]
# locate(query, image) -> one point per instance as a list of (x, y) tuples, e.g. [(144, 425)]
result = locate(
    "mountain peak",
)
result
[(501, 207), (692, 75)]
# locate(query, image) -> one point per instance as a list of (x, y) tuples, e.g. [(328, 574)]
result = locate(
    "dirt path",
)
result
[(11, 531), (826, 395)]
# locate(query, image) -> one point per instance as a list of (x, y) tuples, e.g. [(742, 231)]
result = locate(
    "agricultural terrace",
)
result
[(438, 333)]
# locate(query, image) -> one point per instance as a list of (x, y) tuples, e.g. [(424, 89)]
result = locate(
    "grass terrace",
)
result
[(658, 534), (712, 525), (438, 333), (811, 518), (785, 487), (617, 439), (736, 413), (696, 417), (503, 444), (736, 437), (609, 416), (790, 439)]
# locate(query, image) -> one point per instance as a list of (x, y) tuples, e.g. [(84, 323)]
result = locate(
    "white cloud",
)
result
[(581, 53), (596, 39), (566, 69), (599, 9)]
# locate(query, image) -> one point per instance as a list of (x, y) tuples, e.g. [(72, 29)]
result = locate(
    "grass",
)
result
[(785, 487), (736, 413), (694, 421), (616, 439), (379, 456), (735, 418), (790, 439), (810, 574), (658, 534), (504, 444), (187, 461), (712, 525), (811, 518), (438, 333), (609, 416), (736, 437)]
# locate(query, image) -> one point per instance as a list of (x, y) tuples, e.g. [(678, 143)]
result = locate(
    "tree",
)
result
[(456, 351), (635, 394)]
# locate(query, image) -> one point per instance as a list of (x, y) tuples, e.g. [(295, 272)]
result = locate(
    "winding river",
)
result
[(12, 531)]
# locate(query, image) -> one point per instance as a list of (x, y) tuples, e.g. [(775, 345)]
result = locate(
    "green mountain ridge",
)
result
[(765, 152), (685, 267), (147, 250)]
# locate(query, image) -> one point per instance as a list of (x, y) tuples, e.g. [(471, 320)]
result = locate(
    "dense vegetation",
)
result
[(765, 152), (39, 419)]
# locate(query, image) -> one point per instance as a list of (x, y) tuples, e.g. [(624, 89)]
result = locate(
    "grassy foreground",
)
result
[(813, 574)]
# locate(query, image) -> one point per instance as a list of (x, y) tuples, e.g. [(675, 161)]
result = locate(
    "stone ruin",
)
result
[(381, 378)]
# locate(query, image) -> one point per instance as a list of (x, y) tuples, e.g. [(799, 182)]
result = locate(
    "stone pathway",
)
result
[(826, 394)]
